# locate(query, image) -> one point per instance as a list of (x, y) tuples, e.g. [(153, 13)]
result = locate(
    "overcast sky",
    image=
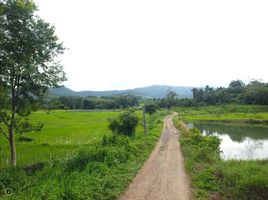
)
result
[(119, 44)]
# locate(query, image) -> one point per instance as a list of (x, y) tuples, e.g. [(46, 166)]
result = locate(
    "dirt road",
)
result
[(163, 176)]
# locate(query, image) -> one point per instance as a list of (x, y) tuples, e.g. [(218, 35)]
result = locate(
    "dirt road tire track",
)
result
[(163, 176)]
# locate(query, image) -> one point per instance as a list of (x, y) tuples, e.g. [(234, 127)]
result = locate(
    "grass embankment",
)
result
[(100, 170), (213, 178), (226, 113)]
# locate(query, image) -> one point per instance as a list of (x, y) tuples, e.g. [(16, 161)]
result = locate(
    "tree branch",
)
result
[(5, 122), (2, 131)]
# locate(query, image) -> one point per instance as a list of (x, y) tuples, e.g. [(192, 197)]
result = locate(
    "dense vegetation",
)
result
[(99, 103), (237, 92), (125, 124), (100, 170), (255, 92), (212, 177)]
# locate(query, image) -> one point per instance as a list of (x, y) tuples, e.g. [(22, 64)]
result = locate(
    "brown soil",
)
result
[(163, 175)]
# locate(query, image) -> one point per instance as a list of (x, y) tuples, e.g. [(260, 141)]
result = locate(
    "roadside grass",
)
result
[(227, 113), (213, 178), (100, 170), (243, 180)]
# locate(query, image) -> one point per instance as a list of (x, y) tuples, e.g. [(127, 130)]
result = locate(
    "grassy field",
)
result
[(63, 135), (227, 113), (99, 168), (213, 178)]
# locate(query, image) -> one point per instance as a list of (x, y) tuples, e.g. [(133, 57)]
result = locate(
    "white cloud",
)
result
[(123, 44)]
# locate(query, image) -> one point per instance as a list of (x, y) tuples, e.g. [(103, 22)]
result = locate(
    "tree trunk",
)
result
[(11, 130), (13, 158)]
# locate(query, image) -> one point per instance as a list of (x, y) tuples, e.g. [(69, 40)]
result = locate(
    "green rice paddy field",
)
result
[(63, 134), (70, 158)]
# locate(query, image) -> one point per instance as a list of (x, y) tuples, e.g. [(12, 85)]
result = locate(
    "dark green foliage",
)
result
[(150, 108), (27, 52), (253, 93), (125, 124), (31, 169), (25, 139), (100, 103), (168, 101), (256, 93)]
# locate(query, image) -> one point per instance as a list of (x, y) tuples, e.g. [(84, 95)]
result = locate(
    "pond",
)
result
[(245, 142)]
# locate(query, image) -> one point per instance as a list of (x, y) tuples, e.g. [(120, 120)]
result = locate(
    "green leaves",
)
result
[(125, 124), (150, 108), (28, 49)]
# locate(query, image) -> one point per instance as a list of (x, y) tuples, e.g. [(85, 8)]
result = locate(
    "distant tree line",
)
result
[(99, 103), (255, 92)]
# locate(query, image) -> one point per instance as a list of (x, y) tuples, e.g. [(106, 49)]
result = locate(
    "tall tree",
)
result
[(28, 48), (150, 108), (256, 93), (198, 94), (238, 84), (171, 98)]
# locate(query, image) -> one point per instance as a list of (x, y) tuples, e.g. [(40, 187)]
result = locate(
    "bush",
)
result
[(125, 124), (25, 139)]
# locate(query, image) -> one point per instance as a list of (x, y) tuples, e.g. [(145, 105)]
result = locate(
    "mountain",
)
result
[(62, 91), (154, 91)]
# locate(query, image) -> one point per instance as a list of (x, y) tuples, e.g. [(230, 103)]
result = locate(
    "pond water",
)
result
[(238, 141)]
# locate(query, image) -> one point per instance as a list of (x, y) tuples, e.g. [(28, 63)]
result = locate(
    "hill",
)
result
[(154, 91)]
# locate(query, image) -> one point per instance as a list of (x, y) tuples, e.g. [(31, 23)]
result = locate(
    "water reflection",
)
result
[(238, 141)]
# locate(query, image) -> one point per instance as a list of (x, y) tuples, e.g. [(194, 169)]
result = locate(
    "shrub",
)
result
[(25, 139), (125, 124)]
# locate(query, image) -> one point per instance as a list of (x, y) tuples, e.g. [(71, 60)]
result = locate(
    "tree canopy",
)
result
[(255, 92), (28, 66), (125, 124)]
